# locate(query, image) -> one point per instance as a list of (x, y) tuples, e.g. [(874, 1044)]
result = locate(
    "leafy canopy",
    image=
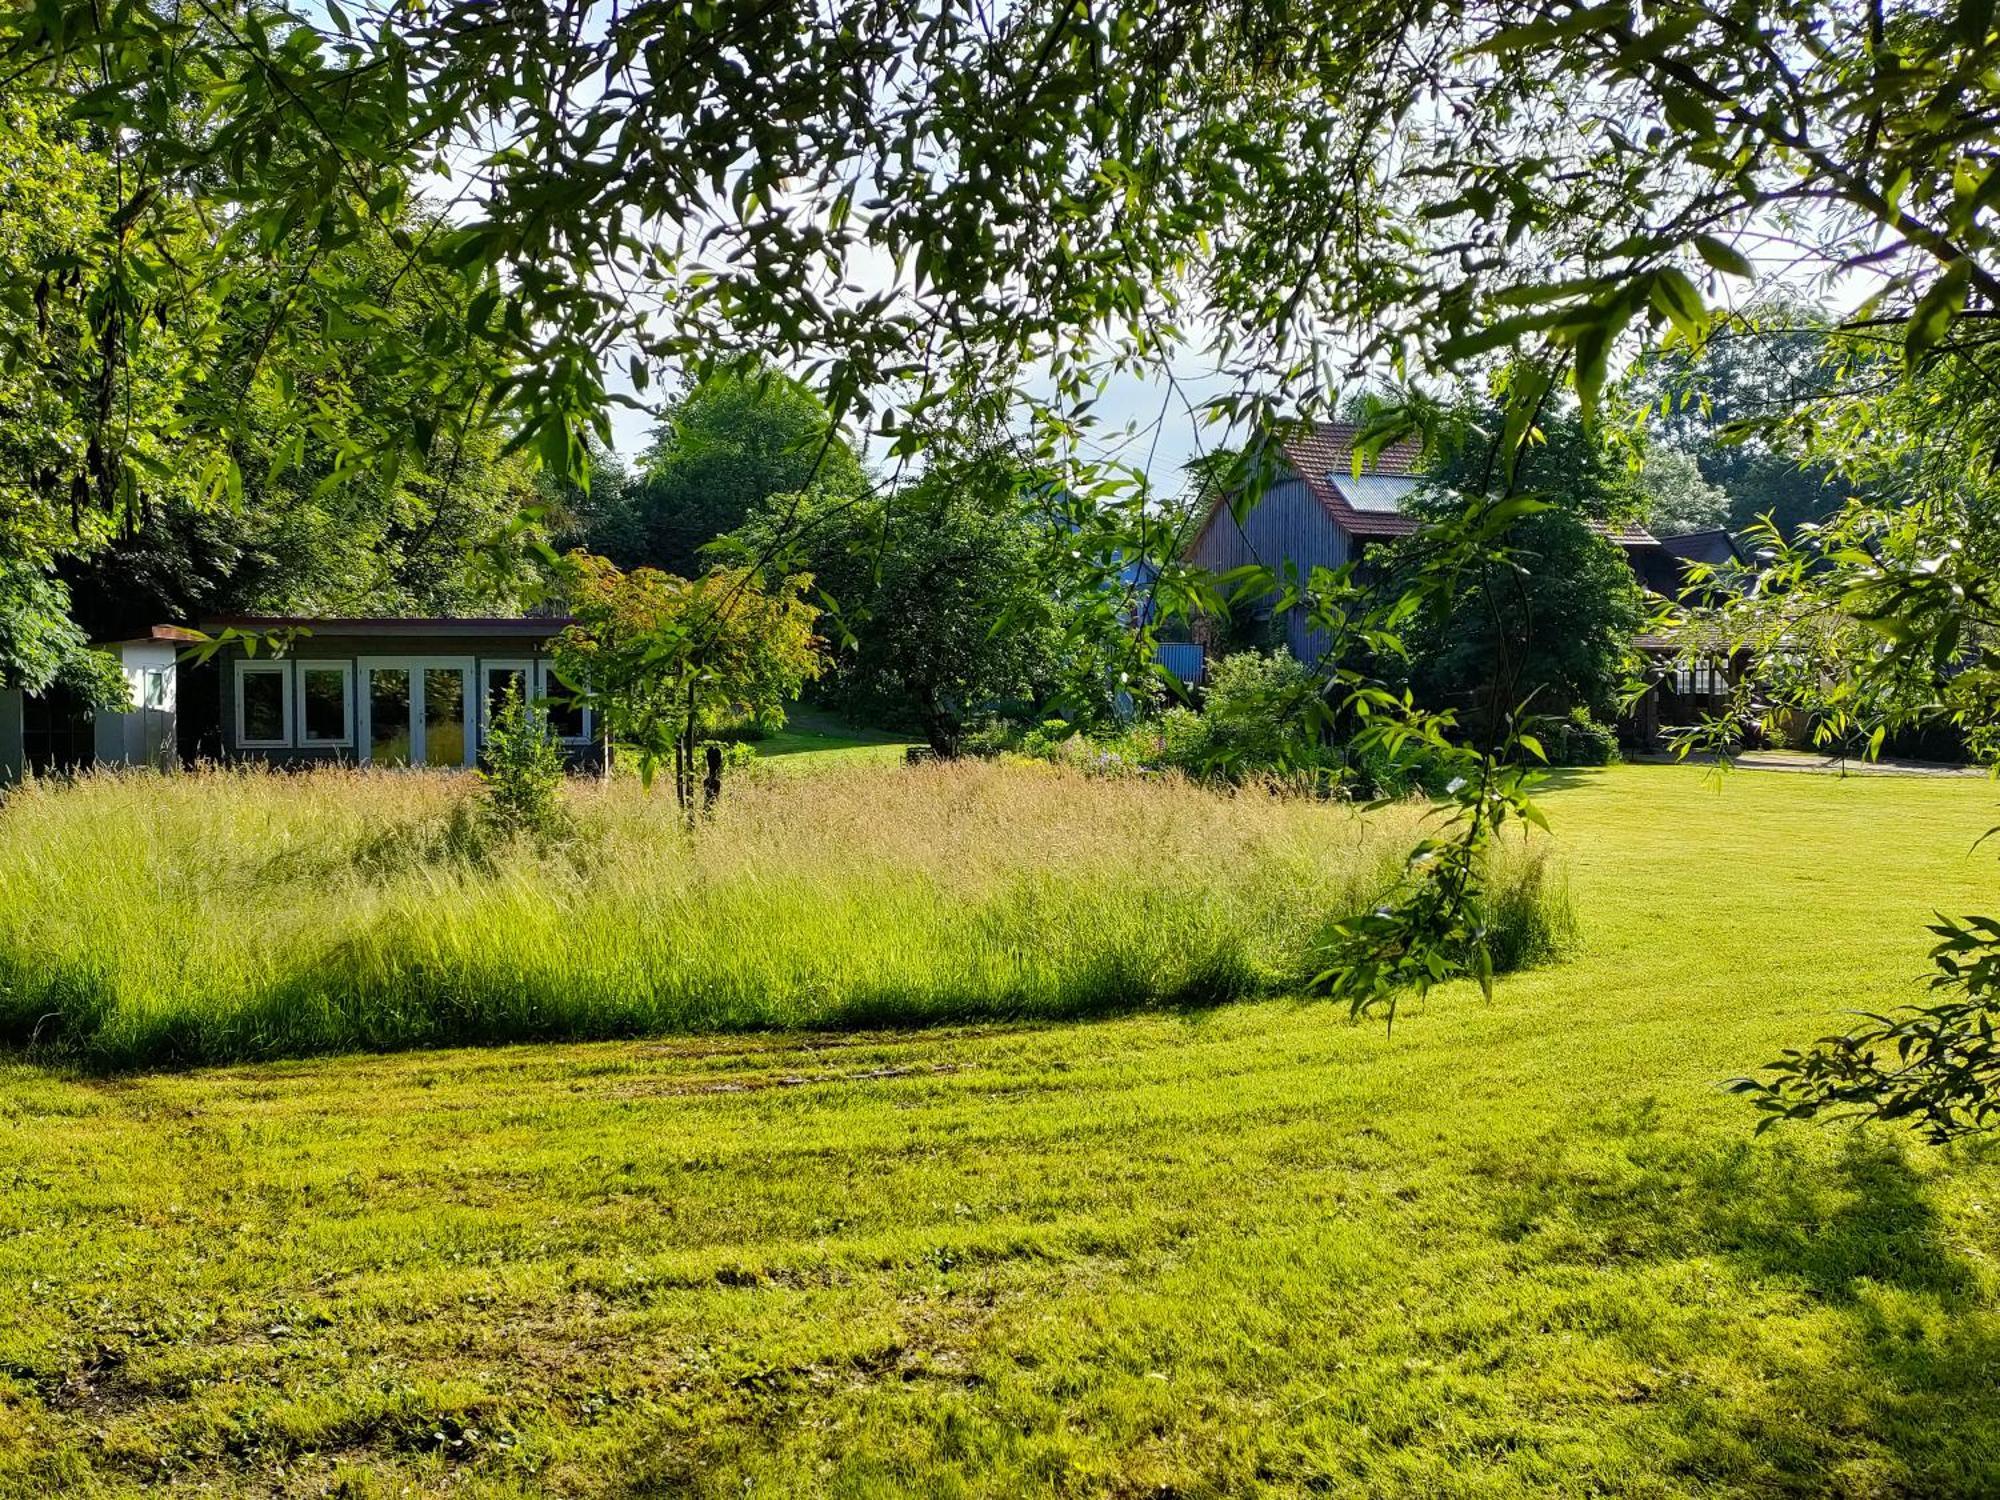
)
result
[(1720, 446), (1551, 625), (946, 588), (662, 658), (723, 449), (188, 424)]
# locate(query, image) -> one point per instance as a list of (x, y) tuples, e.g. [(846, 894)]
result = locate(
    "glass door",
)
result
[(417, 712), (390, 738), (447, 737)]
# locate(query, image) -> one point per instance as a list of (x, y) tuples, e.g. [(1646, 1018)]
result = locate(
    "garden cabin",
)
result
[(378, 691)]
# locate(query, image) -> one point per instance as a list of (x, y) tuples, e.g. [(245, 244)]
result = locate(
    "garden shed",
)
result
[(302, 690)]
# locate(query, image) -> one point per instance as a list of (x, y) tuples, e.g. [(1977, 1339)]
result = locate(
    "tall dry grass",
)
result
[(234, 914)]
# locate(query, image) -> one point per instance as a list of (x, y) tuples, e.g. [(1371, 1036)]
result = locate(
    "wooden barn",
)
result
[(1318, 512)]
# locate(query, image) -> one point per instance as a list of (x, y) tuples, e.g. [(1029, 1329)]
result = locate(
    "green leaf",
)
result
[(1724, 257), (1674, 295), (1933, 314), (1538, 34), (1505, 513), (1592, 343), (1531, 384), (1493, 336)]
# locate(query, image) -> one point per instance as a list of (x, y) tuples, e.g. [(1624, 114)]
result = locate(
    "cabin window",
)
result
[(1702, 680), (155, 689), (496, 680), (326, 703), (568, 719), (263, 705)]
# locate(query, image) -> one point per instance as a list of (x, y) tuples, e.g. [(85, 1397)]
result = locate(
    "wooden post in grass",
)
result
[(711, 784)]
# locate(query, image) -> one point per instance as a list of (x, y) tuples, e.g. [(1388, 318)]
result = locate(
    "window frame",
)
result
[(345, 667), (529, 683), (246, 668), (545, 671)]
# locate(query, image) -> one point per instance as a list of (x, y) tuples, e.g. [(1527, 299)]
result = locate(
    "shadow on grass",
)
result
[(74, 1021), (1564, 778), (1882, 1371)]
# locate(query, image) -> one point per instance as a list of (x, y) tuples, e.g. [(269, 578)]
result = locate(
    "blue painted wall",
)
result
[(1287, 525)]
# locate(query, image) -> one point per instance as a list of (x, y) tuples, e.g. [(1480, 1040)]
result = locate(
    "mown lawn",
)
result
[(1520, 1248), (818, 740)]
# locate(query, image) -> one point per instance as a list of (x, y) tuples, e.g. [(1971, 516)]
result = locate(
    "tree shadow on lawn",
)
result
[(1564, 778), (1863, 1352), (73, 1021)]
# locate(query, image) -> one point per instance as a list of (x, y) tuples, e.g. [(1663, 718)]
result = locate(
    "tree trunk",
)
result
[(941, 729)]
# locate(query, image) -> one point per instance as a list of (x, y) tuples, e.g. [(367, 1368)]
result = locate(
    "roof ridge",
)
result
[(1324, 446)]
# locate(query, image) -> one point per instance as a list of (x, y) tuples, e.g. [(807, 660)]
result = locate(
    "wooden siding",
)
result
[(1287, 525)]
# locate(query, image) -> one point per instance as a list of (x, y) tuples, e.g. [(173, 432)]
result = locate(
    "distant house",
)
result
[(386, 692), (1318, 512), (1712, 547)]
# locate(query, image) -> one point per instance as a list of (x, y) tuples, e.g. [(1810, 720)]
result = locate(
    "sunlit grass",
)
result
[(816, 740), (1525, 1248), (241, 914)]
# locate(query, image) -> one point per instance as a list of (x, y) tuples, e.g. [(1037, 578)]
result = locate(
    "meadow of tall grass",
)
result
[(225, 915)]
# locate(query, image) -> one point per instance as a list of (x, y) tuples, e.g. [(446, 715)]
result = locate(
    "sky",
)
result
[(1142, 422)]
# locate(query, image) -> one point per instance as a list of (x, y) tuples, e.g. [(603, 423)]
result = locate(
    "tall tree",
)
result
[(1719, 451), (724, 447), (66, 376), (1553, 629), (447, 533), (1020, 178), (1679, 498), (942, 586), (181, 432)]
